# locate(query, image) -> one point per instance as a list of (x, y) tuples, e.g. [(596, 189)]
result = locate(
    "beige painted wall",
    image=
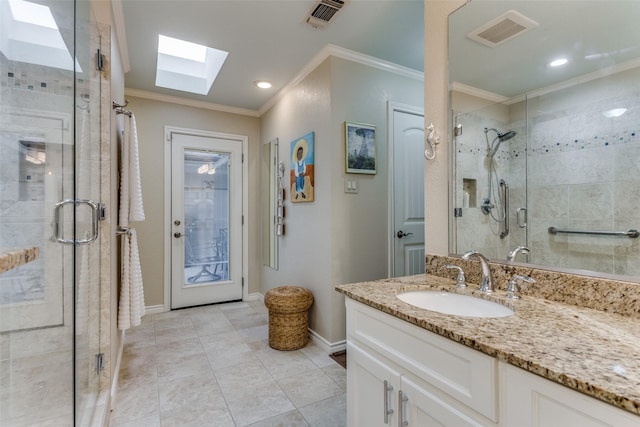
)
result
[(436, 111), (359, 230), (151, 118), (339, 238), (304, 251)]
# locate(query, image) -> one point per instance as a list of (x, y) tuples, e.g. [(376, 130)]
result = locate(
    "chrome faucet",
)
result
[(513, 289), (487, 278), (518, 249)]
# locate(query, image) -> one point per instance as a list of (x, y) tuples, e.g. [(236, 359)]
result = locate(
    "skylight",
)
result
[(187, 66), (29, 34)]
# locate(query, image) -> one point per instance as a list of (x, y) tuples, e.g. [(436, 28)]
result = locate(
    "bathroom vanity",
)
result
[(549, 364)]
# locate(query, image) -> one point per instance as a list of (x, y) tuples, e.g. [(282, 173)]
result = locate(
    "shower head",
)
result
[(507, 135), (502, 136)]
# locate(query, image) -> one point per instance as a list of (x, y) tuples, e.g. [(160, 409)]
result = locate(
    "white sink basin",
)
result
[(455, 304)]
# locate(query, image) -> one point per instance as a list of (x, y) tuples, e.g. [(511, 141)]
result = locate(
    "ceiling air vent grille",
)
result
[(323, 11), (503, 28)]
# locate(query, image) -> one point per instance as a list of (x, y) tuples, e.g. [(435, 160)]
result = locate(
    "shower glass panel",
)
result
[(49, 135), (490, 181)]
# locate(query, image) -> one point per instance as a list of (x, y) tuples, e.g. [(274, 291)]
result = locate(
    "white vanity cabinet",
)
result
[(444, 383), (418, 376), (532, 401)]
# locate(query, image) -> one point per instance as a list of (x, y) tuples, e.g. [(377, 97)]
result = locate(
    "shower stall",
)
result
[(51, 185), (569, 158)]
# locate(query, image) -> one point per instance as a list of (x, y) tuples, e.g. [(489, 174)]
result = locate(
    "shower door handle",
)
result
[(95, 217)]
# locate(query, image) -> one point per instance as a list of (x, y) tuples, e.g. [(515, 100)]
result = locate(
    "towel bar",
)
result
[(122, 231), (632, 234)]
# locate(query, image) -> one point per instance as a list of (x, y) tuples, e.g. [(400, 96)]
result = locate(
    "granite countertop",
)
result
[(14, 258), (588, 350)]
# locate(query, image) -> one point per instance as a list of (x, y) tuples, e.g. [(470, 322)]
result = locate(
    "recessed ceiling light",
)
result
[(615, 112), (187, 66), (262, 84), (558, 62)]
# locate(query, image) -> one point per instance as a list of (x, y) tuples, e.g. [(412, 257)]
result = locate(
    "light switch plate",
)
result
[(351, 185)]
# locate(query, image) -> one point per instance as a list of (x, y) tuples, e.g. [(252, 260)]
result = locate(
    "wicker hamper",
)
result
[(288, 317)]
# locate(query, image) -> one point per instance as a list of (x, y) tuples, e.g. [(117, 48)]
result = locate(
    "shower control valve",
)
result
[(486, 206)]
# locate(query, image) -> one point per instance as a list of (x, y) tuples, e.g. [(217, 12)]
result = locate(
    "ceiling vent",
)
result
[(323, 12), (503, 28)]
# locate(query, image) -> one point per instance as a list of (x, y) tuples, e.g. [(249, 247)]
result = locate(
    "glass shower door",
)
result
[(490, 182), (49, 126)]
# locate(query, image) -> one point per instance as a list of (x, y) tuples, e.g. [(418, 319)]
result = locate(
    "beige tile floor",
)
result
[(212, 366)]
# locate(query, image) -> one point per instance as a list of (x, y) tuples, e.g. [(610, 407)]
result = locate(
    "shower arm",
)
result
[(505, 226)]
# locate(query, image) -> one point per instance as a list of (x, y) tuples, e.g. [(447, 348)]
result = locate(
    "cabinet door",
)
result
[(531, 401), (423, 408), (367, 391)]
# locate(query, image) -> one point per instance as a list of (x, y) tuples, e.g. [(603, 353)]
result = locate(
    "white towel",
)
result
[(131, 305), (131, 206)]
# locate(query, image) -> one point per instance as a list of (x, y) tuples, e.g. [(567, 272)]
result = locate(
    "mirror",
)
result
[(269, 182), (547, 157)]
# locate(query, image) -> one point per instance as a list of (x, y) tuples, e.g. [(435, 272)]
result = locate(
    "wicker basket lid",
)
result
[(288, 299)]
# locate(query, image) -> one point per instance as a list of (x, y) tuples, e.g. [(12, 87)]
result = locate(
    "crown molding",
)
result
[(145, 94), (478, 93), (585, 78), (326, 52), (349, 55)]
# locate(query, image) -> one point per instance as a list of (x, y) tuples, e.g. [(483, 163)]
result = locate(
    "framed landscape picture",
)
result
[(360, 148)]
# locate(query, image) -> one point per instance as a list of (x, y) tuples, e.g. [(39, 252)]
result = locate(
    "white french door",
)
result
[(206, 220), (407, 197)]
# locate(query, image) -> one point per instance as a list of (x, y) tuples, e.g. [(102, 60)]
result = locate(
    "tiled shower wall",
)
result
[(584, 174), (571, 166)]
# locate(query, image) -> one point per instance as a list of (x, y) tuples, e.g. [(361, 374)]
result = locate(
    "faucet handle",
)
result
[(461, 281), (513, 288)]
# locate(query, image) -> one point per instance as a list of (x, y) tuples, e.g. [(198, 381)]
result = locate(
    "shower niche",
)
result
[(469, 193)]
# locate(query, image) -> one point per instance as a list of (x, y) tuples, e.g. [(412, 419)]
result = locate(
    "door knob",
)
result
[(177, 234), (177, 222), (402, 234)]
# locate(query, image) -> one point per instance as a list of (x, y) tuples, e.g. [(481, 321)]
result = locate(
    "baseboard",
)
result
[(154, 309), (257, 296), (327, 346)]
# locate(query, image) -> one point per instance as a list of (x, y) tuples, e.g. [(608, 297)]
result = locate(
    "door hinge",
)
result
[(457, 212), (99, 61), (102, 212), (242, 219), (99, 363), (243, 282), (242, 157)]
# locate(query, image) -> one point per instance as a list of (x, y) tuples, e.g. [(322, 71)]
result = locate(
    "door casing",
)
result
[(241, 139)]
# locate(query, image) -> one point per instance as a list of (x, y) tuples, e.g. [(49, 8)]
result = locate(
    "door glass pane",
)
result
[(206, 216)]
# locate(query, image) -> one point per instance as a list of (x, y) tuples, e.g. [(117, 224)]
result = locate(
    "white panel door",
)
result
[(408, 192), (206, 220)]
